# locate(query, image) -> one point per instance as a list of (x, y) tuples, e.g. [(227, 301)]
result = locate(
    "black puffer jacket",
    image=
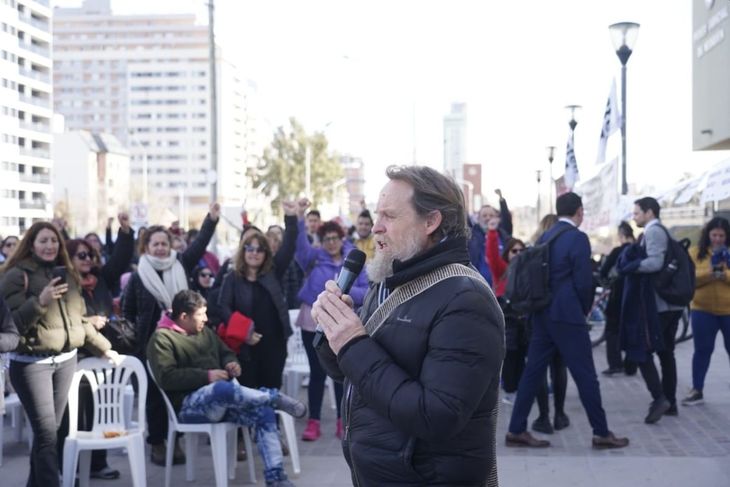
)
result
[(421, 395), (138, 304)]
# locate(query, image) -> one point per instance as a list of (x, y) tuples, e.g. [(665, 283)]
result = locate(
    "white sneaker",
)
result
[(508, 398)]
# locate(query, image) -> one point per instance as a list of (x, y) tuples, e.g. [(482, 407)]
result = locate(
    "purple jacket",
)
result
[(319, 268)]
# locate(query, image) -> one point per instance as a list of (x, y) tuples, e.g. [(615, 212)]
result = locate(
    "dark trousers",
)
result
[(705, 327), (317, 376), (43, 391), (574, 345), (85, 423), (667, 386), (156, 413), (264, 366), (613, 345), (559, 379), (514, 366)]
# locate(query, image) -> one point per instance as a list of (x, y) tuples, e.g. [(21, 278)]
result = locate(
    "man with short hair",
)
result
[(314, 221), (421, 363), (194, 368), (655, 240), (562, 326), (365, 240), (478, 242)]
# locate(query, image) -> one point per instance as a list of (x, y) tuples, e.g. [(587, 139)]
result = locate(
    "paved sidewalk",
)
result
[(692, 449)]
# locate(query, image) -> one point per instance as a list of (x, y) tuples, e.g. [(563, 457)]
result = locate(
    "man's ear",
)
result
[(433, 221)]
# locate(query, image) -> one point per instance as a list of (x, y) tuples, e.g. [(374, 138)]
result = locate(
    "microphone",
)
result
[(350, 270)]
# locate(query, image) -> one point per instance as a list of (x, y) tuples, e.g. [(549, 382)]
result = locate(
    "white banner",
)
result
[(600, 198)]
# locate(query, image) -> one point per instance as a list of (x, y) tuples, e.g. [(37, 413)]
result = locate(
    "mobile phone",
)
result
[(59, 271)]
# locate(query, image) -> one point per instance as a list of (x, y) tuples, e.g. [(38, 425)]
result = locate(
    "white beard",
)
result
[(381, 266)]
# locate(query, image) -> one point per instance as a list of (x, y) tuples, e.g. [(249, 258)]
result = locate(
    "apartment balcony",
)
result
[(35, 178), (32, 205), (37, 101), (39, 24), (38, 75), (43, 51), (40, 127), (43, 153)]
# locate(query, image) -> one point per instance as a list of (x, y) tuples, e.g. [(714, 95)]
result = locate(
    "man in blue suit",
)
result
[(562, 326)]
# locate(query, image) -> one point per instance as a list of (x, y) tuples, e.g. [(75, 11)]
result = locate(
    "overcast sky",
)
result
[(367, 70)]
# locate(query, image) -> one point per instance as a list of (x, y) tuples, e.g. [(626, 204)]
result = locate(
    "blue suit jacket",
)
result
[(571, 277)]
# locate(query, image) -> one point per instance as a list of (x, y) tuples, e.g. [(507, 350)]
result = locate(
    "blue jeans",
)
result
[(225, 401), (704, 331)]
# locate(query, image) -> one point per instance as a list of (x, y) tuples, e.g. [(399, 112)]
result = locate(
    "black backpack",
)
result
[(675, 283), (528, 277)]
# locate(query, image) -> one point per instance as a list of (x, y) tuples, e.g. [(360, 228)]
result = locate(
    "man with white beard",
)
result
[(421, 362)]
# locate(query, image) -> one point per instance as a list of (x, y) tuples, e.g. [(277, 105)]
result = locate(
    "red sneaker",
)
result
[(339, 433), (311, 432)]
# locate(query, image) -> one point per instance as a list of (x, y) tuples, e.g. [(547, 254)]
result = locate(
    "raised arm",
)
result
[(305, 253), (505, 215), (121, 256), (196, 249), (284, 256)]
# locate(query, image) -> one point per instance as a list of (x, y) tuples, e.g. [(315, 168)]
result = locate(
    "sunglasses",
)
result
[(516, 251), (205, 274), (84, 256), (254, 250)]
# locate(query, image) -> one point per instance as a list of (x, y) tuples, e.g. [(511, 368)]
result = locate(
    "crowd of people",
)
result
[(416, 361)]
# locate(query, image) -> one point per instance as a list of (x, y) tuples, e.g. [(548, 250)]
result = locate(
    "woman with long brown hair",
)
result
[(43, 292)]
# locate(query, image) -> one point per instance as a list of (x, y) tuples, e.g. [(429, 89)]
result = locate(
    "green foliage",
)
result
[(281, 171)]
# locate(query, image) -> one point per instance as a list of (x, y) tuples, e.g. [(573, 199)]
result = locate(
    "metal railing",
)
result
[(31, 73), (40, 24)]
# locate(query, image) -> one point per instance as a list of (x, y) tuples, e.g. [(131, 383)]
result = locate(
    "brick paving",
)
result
[(691, 449)]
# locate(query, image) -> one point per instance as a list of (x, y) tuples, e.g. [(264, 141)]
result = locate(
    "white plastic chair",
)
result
[(219, 434), (296, 367), (107, 383)]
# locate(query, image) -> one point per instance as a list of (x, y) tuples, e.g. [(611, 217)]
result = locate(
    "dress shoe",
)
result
[(157, 454), (178, 456), (672, 411), (611, 371), (525, 439), (609, 442), (656, 410), (542, 425), (561, 421)]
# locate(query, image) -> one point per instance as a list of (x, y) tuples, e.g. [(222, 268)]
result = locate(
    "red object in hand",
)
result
[(235, 333)]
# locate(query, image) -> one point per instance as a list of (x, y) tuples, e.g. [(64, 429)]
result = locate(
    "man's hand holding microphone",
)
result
[(333, 311)]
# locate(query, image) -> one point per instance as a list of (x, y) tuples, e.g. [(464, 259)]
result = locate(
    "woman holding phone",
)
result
[(711, 302), (49, 314)]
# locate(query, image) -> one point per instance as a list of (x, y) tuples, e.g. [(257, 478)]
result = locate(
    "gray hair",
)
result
[(432, 191)]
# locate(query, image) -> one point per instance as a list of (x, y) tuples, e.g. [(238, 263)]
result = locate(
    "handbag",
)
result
[(121, 334)]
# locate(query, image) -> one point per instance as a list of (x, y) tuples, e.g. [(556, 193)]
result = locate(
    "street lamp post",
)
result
[(623, 37), (573, 123), (551, 156)]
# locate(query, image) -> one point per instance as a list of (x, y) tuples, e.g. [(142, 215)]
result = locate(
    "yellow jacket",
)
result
[(711, 295), (367, 245)]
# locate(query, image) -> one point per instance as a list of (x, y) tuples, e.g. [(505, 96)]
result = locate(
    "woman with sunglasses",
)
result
[(161, 273), (7, 248), (321, 264), (49, 312), (97, 282), (253, 289)]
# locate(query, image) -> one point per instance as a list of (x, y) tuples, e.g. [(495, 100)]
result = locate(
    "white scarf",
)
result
[(173, 277)]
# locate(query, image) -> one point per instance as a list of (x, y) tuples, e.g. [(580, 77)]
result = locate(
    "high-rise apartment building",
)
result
[(25, 114), (455, 141), (146, 80)]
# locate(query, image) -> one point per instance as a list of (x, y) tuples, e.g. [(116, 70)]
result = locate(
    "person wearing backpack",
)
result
[(561, 325), (656, 240)]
